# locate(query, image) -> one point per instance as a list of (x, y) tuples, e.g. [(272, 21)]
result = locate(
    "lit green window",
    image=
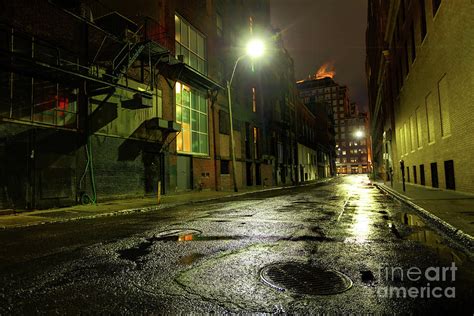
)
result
[(191, 113), (191, 44)]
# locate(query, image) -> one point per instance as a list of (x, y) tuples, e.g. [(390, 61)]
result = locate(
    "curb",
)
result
[(161, 206), (465, 240)]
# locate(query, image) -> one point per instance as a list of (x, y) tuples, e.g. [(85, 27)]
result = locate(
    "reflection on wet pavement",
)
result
[(190, 259), (213, 256)]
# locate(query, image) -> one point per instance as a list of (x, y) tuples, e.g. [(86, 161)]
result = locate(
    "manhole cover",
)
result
[(305, 279)]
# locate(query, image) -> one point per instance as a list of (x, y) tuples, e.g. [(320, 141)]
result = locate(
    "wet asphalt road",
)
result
[(207, 258)]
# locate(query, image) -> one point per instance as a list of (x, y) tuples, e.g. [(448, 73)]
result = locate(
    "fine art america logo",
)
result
[(443, 277)]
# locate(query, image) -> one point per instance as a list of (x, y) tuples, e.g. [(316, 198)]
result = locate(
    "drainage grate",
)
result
[(305, 279)]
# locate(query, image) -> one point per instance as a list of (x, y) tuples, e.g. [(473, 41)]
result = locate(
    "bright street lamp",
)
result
[(359, 134), (255, 48)]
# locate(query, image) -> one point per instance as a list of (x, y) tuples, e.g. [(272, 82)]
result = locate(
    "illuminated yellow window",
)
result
[(254, 100), (192, 114)]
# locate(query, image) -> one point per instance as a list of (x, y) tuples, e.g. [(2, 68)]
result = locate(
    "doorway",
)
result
[(434, 175), (449, 175), (184, 173)]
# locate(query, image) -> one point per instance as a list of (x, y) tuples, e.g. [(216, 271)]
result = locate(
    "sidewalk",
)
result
[(22, 218), (450, 211)]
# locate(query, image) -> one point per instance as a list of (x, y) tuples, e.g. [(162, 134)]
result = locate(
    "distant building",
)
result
[(420, 66), (350, 147)]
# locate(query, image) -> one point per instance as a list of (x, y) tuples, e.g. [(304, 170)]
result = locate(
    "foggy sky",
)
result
[(319, 31)]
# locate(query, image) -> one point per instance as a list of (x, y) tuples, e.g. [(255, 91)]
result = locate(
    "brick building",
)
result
[(351, 150), (419, 71), (126, 97)]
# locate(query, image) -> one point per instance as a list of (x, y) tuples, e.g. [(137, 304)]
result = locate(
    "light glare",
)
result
[(359, 134), (255, 48)]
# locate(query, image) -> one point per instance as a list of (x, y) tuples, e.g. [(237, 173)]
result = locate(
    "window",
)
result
[(407, 64), (219, 24), (402, 10), (190, 44), (413, 45), (422, 19), (430, 118), (444, 106), (40, 101), (191, 112), (436, 4), (159, 102), (225, 167), (255, 142), (419, 117), (254, 101), (224, 123), (401, 142), (413, 133), (407, 138)]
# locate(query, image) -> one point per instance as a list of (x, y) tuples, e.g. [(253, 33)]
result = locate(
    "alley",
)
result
[(238, 255)]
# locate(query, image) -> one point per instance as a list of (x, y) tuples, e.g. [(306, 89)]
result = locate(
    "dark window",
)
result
[(413, 45), (434, 175), (224, 122), (422, 19), (407, 63), (402, 10), (422, 174), (436, 4), (414, 175), (449, 175), (408, 174), (224, 166)]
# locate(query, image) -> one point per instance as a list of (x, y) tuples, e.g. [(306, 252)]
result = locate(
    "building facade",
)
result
[(419, 71), (351, 152), (128, 99)]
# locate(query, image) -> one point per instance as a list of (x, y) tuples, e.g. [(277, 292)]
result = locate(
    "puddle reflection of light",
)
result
[(188, 237), (361, 227)]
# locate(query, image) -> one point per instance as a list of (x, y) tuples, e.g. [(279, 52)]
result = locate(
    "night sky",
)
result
[(320, 31)]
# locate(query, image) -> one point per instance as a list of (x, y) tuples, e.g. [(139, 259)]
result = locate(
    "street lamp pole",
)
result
[(255, 48), (232, 141)]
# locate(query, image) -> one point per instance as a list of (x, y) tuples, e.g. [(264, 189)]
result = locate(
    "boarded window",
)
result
[(224, 122), (444, 107), (430, 117)]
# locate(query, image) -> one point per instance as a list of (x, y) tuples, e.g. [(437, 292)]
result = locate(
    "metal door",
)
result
[(184, 176)]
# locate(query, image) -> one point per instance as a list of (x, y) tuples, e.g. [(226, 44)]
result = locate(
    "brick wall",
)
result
[(447, 51)]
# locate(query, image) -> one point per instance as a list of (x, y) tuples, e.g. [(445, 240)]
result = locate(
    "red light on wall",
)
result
[(63, 103)]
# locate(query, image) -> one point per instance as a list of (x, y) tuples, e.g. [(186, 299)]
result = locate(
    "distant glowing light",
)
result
[(359, 134)]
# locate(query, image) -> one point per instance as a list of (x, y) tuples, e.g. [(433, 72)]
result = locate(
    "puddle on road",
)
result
[(309, 238), (135, 253), (394, 230), (428, 237), (143, 248), (190, 259)]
